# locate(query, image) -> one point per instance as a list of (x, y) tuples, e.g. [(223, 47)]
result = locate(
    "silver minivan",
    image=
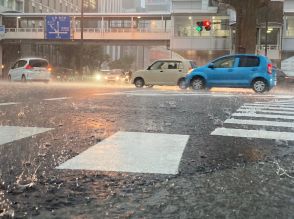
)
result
[(30, 69), (164, 72)]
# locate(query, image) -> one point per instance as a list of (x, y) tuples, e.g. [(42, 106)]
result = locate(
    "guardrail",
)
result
[(22, 30), (121, 30), (269, 47)]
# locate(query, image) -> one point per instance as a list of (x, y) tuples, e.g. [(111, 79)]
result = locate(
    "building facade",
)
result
[(51, 6), (11, 5)]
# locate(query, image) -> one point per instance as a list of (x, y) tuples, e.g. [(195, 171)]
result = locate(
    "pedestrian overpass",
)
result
[(134, 27)]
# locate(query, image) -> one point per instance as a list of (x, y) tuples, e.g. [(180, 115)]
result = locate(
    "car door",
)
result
[(18, 70), (13, 70), (247, 67), (222, 72), (171, 72), (152, 75)]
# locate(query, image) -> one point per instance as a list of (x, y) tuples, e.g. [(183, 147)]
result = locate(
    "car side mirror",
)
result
[(211, 65), (149, 67)]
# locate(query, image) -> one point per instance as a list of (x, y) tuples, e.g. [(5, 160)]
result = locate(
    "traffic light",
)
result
[(206, 24), (199, 27)]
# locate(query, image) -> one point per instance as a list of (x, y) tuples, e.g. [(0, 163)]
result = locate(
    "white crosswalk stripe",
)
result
[(268, 108), (265, 111), (259, 123), (260, 117), (288, 136), (13, 133)]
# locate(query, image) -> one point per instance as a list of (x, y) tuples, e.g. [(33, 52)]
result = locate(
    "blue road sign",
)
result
[(57, 27)]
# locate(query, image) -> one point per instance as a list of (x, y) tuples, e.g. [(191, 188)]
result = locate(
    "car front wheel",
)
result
[(259, 86), (139, 82), (197, 84)]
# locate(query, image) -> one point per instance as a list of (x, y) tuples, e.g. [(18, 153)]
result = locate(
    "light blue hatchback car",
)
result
[(241, 70)]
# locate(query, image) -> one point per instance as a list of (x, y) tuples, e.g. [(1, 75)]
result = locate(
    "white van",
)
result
[(30, 69)]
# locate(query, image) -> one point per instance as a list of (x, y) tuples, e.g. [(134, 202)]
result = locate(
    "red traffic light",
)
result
[(206, 23)]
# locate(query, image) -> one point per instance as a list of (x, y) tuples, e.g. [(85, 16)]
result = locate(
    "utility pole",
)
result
[(82, 38), (266, 28)]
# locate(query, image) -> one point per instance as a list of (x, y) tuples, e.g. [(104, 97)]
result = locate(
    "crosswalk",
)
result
[(261, 117), (146, 152)]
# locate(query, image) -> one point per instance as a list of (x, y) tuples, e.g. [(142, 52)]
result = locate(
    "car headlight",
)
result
[(117, 78), (98, 77)]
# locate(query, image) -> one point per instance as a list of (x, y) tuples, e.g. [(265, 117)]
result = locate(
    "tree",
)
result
[(93, 56), (246, 23), (124, 63)]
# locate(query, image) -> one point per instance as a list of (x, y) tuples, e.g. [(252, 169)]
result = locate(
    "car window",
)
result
[(193, 64), (180, 65), (14, 66), (172, 65), (156, 65), (249, 61), (226, 62), (39, 63), (19, 64)]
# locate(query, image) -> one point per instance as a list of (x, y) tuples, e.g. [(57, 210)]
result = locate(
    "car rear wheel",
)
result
[(139, 82), (259, 86), (23, 78), (182, 84), (197, 84)]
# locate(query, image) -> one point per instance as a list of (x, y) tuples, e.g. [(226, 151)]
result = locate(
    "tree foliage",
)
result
[(124, 63), (91, 56), (246, 23)]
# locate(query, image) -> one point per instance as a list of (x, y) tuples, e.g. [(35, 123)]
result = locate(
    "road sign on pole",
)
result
[(57, 27)]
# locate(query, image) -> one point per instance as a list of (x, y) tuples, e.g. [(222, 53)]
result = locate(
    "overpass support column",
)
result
[(1, 52), (1, 63)]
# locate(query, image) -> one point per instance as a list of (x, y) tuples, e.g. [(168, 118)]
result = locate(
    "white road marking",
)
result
[(260, 123), (268, 108), (243, 133), (13, 133), (8, 104), (265, 111), (187, 93), (132, 152), (59, 98), (276, 102), (254, 115), (270, 105), (114, 93)]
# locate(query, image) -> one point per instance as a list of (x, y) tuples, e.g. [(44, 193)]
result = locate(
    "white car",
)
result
[(164, 72), (30, 69)]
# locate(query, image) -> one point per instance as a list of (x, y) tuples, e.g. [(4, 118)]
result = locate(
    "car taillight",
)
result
[(49, 69), (28, 67), (269, 68)]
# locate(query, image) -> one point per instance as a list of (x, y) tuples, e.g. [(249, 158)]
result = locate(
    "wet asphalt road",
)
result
[(218, 176)]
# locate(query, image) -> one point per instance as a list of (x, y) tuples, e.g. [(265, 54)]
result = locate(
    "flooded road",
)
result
[(91, 151)]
